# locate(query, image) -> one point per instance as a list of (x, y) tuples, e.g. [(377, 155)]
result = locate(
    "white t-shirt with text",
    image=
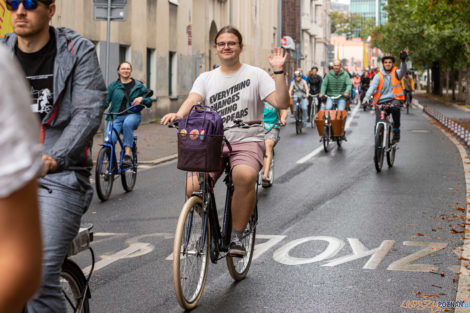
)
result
[(20, 160), (237, 96)]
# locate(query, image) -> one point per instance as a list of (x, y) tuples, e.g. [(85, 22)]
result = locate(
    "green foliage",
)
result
[(351, 25), (433, 30)]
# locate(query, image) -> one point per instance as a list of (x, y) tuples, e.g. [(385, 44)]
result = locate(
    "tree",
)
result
[(351, 25), (437, 32)]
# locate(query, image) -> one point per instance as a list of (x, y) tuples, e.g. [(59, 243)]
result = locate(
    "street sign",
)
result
[(118, 10)]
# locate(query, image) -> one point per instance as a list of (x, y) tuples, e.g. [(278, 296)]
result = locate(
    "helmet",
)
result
[(388, 56)]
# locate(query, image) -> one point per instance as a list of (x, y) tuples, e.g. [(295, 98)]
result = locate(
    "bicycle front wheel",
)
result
[(238, 267), (326, 138), (129, 175), (379, 150), (190, 253), (73, 284), (104, 176)]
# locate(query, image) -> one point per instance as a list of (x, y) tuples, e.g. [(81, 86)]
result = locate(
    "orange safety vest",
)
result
[(396, 87)]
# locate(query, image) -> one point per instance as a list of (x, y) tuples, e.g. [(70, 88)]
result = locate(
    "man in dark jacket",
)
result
[(68, 94), (314, 84)]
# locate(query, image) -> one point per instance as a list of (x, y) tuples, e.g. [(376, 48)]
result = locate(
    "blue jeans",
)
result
[(303, 106), (127, 124), (341, 104), (61, 212)]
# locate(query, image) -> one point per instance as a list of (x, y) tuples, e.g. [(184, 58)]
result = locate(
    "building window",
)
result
[(152, 69), (124, 53), (173, 76)]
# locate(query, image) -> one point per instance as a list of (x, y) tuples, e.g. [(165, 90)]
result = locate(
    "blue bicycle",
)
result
[(107, 166)]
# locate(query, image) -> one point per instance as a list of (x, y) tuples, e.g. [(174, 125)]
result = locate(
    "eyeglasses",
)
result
[(13, 5), (230, 44)]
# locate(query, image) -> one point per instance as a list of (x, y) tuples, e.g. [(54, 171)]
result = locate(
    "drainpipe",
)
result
[(230, 13), (279, 22)]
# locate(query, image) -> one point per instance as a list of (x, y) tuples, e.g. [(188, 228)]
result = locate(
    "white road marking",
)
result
[(319, 149), (360, 251), (281, 255), (403, 264)]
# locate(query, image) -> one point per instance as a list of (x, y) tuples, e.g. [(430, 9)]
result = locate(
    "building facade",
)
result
[(370, 9), (170, 42), (308, 22), (316, 32)]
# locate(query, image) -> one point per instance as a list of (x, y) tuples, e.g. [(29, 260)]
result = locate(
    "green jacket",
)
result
[(116, 95), (336, 84)]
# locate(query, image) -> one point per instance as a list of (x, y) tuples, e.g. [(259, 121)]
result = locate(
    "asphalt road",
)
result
[(333, 235)]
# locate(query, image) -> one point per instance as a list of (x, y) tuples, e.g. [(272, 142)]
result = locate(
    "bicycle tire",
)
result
[(239, 267), (298, 120), (326, 138), (73, 284), (407, 108), (129, 176), (103, 179), (313, 112), (391, 154), (378, 150), (338, 142), (191, 219)]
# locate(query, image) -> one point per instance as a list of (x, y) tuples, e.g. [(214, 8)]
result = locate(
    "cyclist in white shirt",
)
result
[(247, 87)]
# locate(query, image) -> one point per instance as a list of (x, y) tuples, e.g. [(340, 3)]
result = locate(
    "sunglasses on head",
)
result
[(13, 5)]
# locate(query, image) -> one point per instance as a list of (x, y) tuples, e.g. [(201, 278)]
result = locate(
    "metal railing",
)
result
[(453, 126)]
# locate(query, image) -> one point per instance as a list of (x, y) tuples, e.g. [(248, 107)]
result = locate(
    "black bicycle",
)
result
[(407, 100), (199, 237), (315, 107), (383, 142), (298, 116)]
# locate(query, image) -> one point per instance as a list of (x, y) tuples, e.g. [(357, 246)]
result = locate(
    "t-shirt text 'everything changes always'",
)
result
[(226, 103)]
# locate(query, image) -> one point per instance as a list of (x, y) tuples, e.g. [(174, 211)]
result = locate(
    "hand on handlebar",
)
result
[(169, 118), (48, 164), (137, 101)]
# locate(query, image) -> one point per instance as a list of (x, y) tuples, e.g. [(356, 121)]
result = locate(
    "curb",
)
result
[(447, 103), (160, 160)]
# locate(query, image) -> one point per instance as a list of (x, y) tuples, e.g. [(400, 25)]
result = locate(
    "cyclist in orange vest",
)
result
[(386, 87)]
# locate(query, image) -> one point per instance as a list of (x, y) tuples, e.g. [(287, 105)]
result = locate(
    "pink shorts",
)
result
[(246, 153)]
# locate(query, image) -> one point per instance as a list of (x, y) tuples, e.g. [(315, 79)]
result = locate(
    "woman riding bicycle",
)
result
[(126, 96), (298, 90)]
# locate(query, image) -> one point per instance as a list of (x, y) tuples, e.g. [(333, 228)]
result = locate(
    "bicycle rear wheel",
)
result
[(298, 120), (313, 111), (391, 154), (238, 267), (379, 150), (326, 138), (104, 178), (73, 284), (190, 258), (129, 175)]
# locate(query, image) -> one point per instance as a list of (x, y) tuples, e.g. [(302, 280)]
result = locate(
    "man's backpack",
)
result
[(200, 139)]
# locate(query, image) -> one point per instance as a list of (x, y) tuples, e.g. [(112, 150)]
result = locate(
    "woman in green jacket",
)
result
[(123, 94)]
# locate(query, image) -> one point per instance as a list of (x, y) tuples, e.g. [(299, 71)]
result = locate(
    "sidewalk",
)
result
[(156, 144)]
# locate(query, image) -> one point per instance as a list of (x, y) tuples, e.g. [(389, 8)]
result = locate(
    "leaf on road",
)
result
[(460, 209), (419, 234), (442, 274), (455, 280), (417, 293), (456, 231), (464, 259)]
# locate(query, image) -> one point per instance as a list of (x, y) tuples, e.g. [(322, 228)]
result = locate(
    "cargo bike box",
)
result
[(337, 121)]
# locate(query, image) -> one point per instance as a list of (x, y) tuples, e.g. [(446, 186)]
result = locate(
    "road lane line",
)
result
[(319, 149)]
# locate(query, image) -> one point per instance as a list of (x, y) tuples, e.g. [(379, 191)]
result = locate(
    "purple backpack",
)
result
[(200, 140)]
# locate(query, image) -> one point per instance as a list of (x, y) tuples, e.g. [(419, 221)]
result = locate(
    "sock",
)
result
[(238, 234)]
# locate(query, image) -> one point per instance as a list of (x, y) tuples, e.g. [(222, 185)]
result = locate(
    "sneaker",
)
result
[(236, 248), (308, 120), (305, 124), (396, 137), (127, 161)]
